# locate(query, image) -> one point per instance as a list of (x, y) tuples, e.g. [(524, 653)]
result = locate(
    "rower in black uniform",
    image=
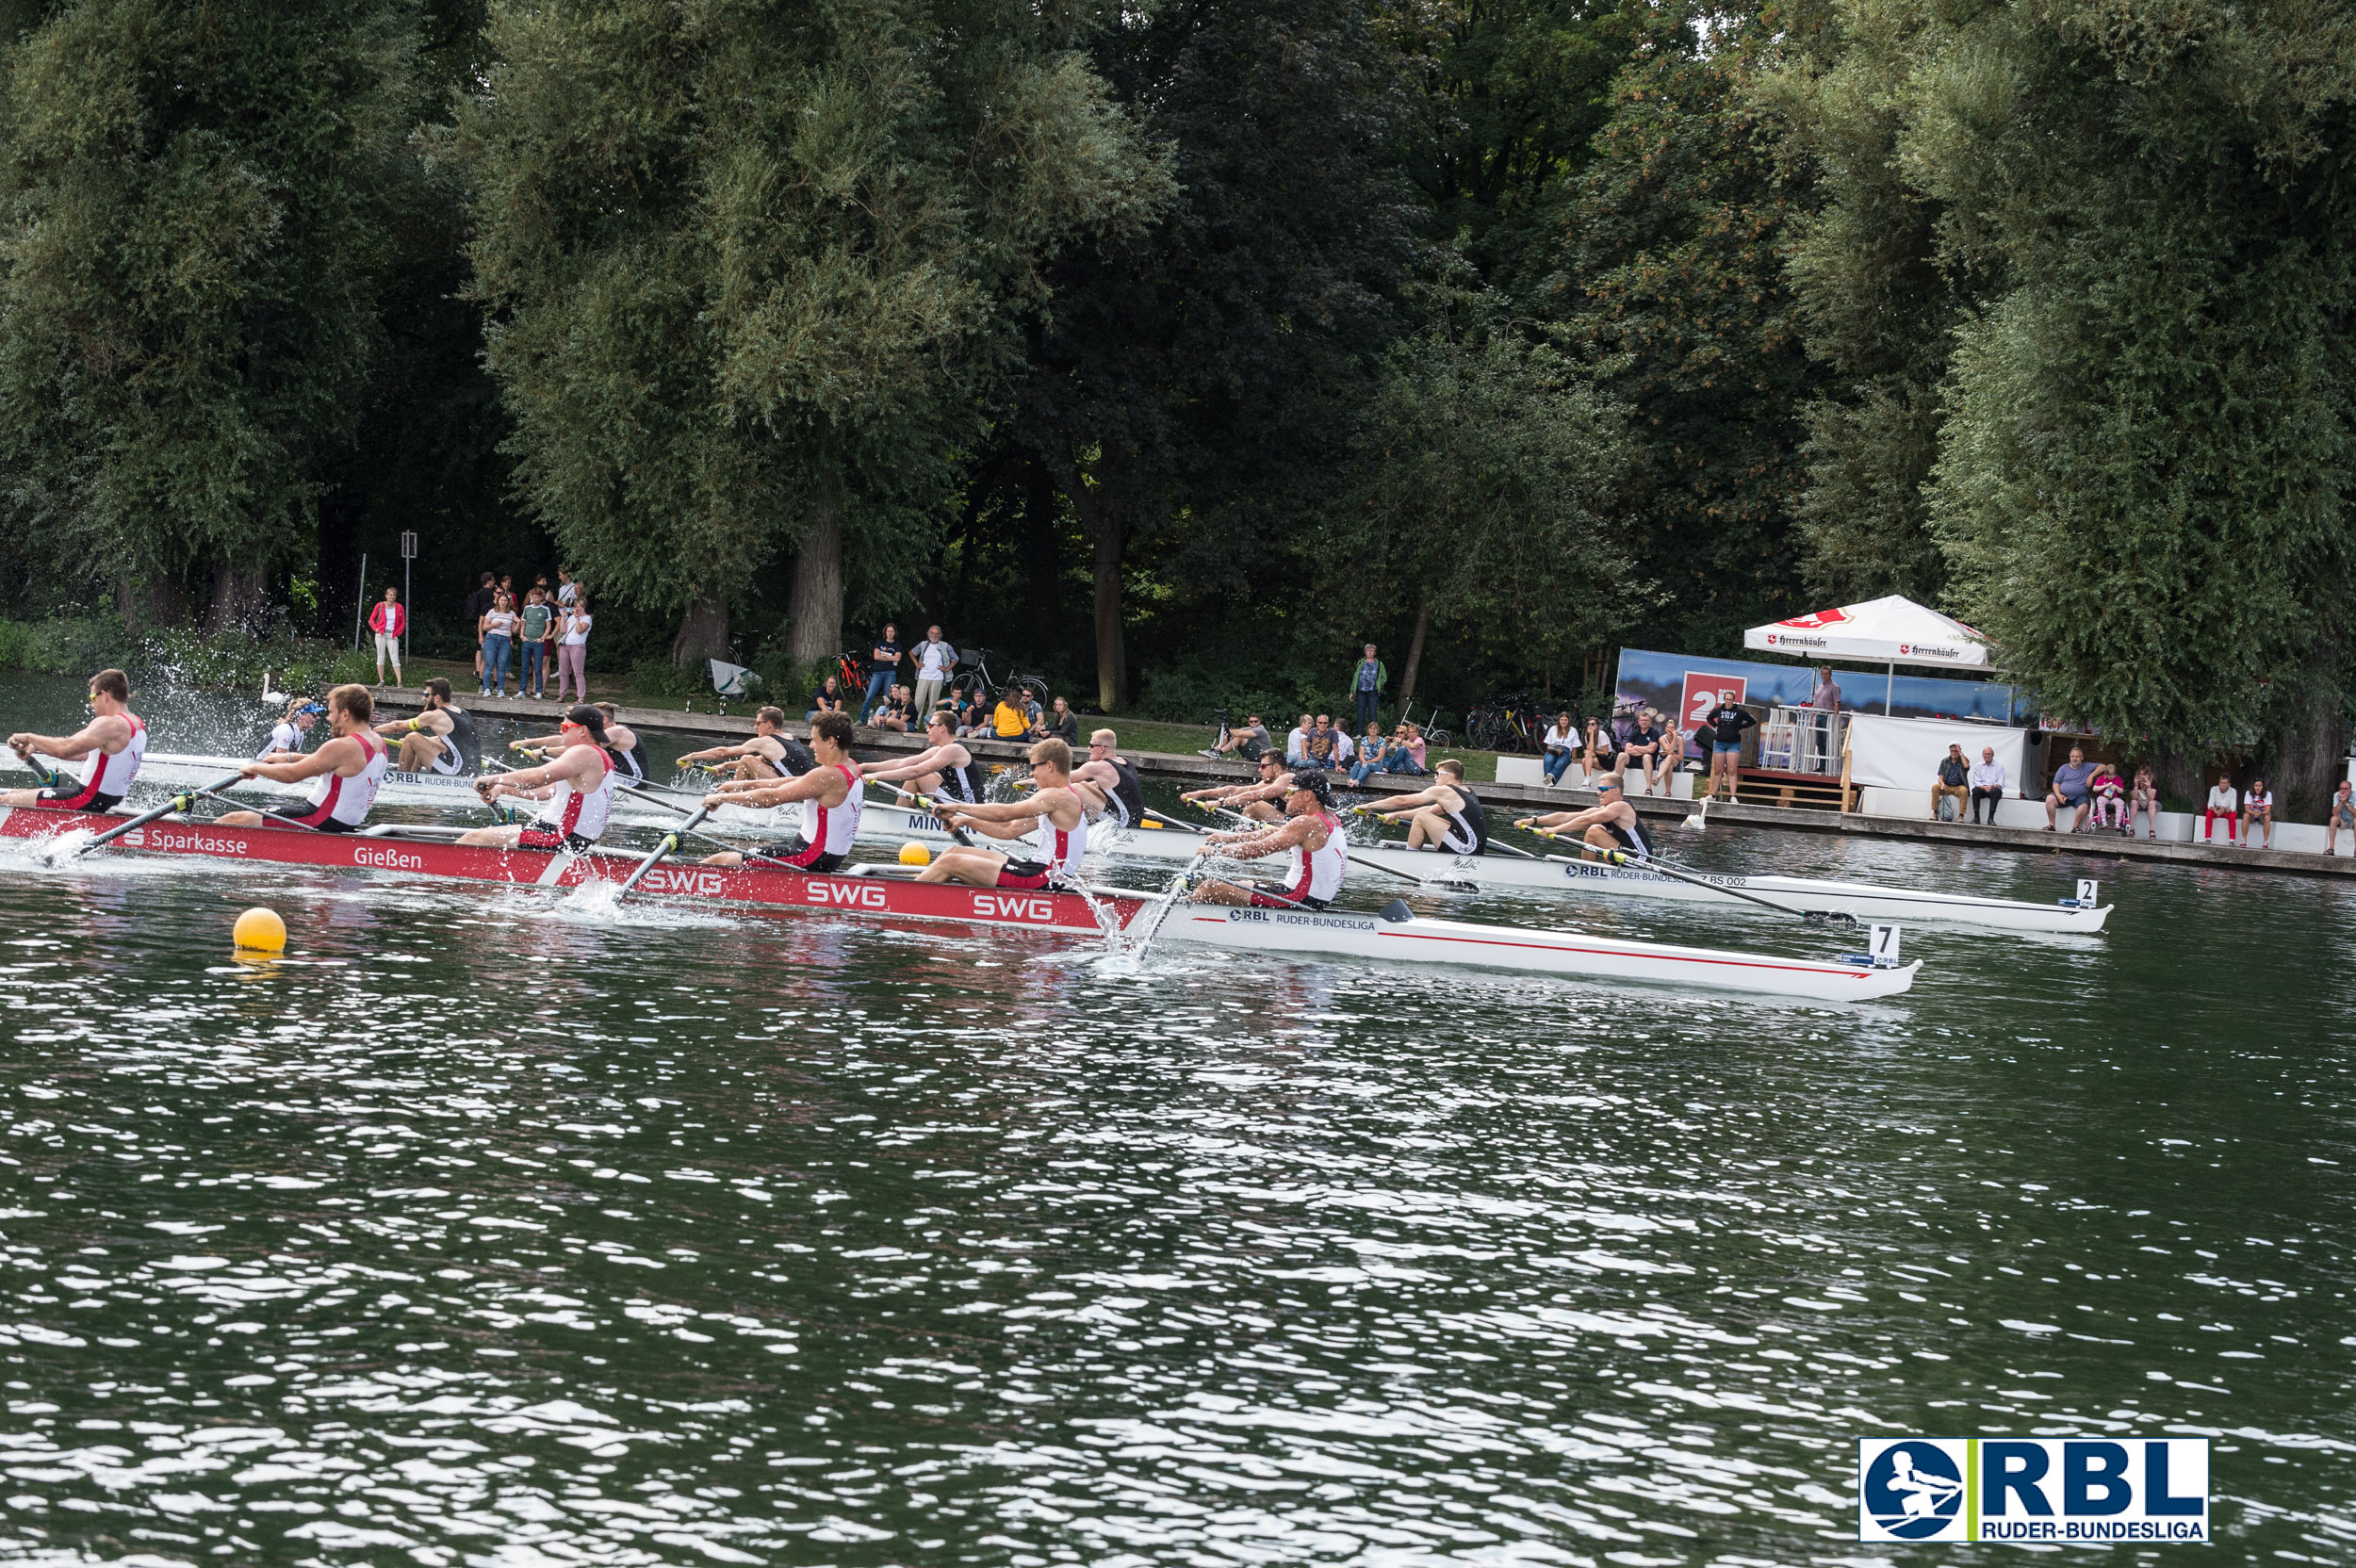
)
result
[(1447, 817), (1612, 823), (1114, 782), (944, 768), (441, 739)]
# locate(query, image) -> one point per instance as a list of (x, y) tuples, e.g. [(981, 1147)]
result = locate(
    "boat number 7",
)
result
[(1885, 946)]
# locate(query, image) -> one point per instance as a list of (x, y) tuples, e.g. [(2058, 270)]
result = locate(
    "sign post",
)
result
[(360, 608), (408, 600)]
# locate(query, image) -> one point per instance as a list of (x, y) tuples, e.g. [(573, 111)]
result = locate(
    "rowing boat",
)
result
[(878, 893), (1556, 874)]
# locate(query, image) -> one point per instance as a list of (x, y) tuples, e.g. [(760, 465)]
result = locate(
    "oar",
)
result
[(1622, 857), (177, 803), (1178, 885), (655, 855), (928, 803)]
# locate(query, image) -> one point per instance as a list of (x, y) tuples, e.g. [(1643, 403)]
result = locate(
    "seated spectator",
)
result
[(1316, 747), (2144, 797), (1062, 725), (1296, 743), (1372, 744), (1250, 741), (896, 712), (1603, 748), (2257, 806), (2069, 789), (974, 713), (1953, 782), (1344, 748), (2339, 813), (1417, 751), (1011, 719), (1648, 745), (827, 699), (2224, 802), (2109, 793), (1988, 784), (1561, 745)]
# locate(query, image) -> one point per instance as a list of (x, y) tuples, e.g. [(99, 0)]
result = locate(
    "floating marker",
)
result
[(261, 930)]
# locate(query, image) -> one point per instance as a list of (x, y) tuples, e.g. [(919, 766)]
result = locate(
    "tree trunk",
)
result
[(237, 601), (814, 611), (703, 631), (1414, 655), (150, 603), (1100, 506), (2309, 753)]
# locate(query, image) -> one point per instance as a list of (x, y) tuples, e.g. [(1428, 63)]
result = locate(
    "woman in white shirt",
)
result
[(1562, 742), (2257, 806), (496, 633), (572, 649)]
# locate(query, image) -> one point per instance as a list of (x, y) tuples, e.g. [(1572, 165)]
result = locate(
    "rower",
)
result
[(1063, 831), (1251, 800), (943, 768), (1611, 825), (347, 770), (1447, 817), (440, 740), (770, 754), (629, 752), (1116, 786), (577, 787), (829, 795), (1310, 830), (286, 734), (115, 740)]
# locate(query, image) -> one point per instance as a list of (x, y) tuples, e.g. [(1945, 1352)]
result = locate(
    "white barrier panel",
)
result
[(1904, 754)]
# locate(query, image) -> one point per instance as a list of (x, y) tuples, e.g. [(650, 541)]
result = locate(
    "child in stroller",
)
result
[(2109, 793)]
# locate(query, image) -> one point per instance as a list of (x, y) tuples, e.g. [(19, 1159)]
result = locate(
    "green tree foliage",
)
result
[(1483, 471), (196, 200), (2143, 485), (1670, 285), (750, 267)]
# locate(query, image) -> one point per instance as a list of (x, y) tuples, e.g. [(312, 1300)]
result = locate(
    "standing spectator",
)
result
[(388, 620), (1988, 784), (1825, 701), (572, 644), (1297, 741), (498, 636), (568, 591), (538, 618), (1063, 725), (547, 638), (2340, 813), (1367, 680), (1726, 724), (827, 699), (2071, 788), (883, 663), (2144, 797), (478, 606), (935, 661), (2223, 802), (2257, 806), (1953, 782)]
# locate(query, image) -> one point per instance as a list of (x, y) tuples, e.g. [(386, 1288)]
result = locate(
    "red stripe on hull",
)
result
[(757, 885)]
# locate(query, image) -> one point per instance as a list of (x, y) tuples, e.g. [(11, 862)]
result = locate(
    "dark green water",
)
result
[(486, 1229)]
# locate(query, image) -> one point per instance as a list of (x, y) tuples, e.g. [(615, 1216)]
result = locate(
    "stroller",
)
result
[(2109, 793)]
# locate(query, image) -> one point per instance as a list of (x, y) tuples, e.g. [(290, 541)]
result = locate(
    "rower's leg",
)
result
[(977, 867), (21, 797), (239, 819), (1222, 893), (1596, 838), (493, 838)]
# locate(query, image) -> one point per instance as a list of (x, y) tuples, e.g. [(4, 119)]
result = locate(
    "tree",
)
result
[(750, 268), (196, 200), (1670, 284), (1484, 469)]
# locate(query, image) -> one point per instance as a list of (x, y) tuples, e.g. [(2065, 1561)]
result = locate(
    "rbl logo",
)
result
[(2081, 1491)]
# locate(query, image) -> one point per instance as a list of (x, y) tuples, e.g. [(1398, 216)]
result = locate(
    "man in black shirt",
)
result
[(1954, 777)]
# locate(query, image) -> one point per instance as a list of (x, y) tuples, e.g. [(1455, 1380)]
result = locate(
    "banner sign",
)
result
[(2066, 1491), (1661, 679), (1703, 692)]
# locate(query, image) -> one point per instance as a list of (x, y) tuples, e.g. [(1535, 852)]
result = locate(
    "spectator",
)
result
[(1062, 725), (895, 715), (883, 663), (1297, 741), (568, 591), (2109, 794), (2071, 782), (2257, 806), (1988, 784), (935, 661), (2224, 802), (537, 620), (1011, 719), (1825, 701), (478, 606), (572, 644), (1417, 751), (1649, 744), (1345, 749), (828, 698), (1367, 680), (1726, 724), (495, 632), (1954, 783), (1316, 747), (388, 620), (2340, 813), (1560, 743), (1603, 748), (1250, 743), (1372, 745), (2145, 796)]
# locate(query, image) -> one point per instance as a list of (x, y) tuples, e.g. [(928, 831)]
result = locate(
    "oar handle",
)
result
[(667, 846)]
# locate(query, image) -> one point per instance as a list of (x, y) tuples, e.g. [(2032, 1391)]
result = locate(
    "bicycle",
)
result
[(1035, 685)]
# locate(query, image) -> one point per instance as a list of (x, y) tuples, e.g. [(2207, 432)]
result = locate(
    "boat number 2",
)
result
[(2087, 886), (1885, 945)]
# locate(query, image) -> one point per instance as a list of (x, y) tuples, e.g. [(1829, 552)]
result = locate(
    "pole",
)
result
[(408, 609), (1889, 687), (360, 605)]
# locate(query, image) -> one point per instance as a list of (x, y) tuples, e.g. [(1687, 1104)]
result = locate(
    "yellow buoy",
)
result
[(914, 854), (261, 930)]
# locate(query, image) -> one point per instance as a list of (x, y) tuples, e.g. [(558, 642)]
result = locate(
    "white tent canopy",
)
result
[(1893, 631)]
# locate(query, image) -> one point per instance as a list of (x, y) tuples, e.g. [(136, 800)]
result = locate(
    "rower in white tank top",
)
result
[(830, 829), (111, 776), (1061, 852), (340, 804), (1321, 870), (571, 818)]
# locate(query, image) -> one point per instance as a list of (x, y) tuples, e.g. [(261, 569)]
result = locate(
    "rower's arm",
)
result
[(90, 737), (914, 767), (1405, 803), (329, 758), (1252, 846), (809, 786), (1007, 811)]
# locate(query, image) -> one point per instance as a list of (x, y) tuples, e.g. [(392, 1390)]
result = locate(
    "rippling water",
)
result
[(489, 1227)]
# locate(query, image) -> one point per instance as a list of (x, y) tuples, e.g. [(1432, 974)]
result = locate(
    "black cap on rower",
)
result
[(1317, 781), (588, 718)]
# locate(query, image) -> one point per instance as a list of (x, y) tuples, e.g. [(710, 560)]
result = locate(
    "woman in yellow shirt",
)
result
[(1009, 719)]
